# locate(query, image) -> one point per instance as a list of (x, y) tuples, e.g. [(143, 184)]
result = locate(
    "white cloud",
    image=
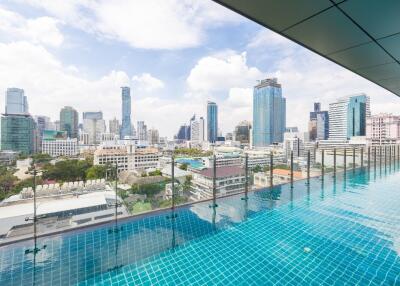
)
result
[(41, 30), (150, 24), (146, 82), (222, 71), (49, 85)]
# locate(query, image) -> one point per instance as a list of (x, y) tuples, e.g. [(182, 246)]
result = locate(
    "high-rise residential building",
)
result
[(347, 117), (242, 132), (141, 131), (18, 133), (269, 113), (383, 128), (69, 121), (94, 125), (153, 136), (16, 101), (197, 130), (126, 127), (113, 126), (318, 126), (183, 132), (212, 122)]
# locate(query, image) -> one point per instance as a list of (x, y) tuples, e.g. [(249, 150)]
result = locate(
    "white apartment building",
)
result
[(263, 157), (127, 157), (197, 130), (229, 179), (383, 128), (232, 159), (60, 147)]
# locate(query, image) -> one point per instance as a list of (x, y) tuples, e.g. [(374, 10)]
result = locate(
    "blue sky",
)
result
[(174, 54)]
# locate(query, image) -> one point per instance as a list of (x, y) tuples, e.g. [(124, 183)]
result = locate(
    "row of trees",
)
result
[(192, 152), (73, 170)]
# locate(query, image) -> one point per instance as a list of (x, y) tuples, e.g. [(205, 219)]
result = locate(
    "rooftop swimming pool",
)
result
[(330, 232)]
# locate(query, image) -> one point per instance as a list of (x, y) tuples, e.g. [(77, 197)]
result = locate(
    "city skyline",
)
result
[(60, 67)]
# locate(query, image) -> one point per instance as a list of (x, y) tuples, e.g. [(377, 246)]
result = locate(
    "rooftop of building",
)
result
[(225, 171)]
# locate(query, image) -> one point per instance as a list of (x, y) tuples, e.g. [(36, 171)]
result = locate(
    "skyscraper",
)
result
[(94, 125), (347, 117), (16, 102), (18, 129), (318, 126), (242, 132), (269, 113), (69, 121), (153, 136), (212, 121), (126, 128), (183, 132), (113, 126), (142, 131)]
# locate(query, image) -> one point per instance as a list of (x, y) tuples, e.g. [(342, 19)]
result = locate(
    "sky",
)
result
[(174, 54)]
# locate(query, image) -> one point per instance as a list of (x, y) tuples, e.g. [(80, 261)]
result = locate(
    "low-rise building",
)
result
[(55, 143), (127, 157), (280, 176), (229, 179), (383, 128)]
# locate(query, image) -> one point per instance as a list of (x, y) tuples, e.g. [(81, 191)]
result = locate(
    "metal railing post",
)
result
[(380, 156), (369, 158), (334, 162), (354, 159), (385, 155), (323, 163), (362, 157), (246, 172), (291, 168), (344, 161), (271, 169), (214, 182), (173, 182), (308, 166)]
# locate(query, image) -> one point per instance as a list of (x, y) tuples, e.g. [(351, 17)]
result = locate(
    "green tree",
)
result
[(184, 166), (187, 184), (41, 158), (96, 172), (155, 173), (257, 169)]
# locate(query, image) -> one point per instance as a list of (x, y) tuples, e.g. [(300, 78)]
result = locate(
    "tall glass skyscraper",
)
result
[(126, 127), (347, 117), (318, 126), (69, 121), (18, 133), (212, 121), (269, 113), (16, 102)]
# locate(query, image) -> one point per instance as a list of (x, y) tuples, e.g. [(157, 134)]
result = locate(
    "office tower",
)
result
[(183, 132), (141, 131), (69, 121), (197, 129), (42, 123), (347, 117), (383, 128), (212, 121), (242, 132), (318, 126), (292, 129), (113, 126), (153, 136), (126, 128), (57, 125), (94, 125), (18, 133), (16, 101), (269, 113), (98, 115)]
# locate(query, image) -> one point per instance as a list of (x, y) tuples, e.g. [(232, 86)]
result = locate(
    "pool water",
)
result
[(330, 232)]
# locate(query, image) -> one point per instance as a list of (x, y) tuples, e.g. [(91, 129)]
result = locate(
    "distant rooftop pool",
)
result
[(194, 163), (330, 232)]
